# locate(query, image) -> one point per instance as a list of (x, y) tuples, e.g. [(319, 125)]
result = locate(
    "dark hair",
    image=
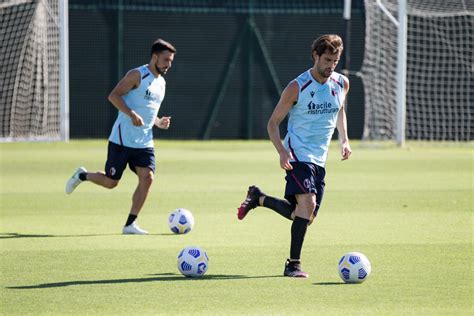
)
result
[(161, 45), (329, 43)]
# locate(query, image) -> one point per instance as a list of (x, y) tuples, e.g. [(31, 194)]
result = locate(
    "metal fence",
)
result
[(233, 60)]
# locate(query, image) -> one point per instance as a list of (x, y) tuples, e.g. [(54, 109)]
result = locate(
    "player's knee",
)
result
[(147, 179), (310, 206), (313, 215)]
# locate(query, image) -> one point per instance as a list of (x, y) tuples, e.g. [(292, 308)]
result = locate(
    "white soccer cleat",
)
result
[(133, 229), (74, 181)]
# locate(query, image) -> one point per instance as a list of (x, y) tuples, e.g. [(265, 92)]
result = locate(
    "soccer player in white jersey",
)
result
[(138, 97), (314, 102)]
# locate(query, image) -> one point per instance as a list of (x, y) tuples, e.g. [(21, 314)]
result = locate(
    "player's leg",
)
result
[(100, 178), (303, 212), (255, 197), (145, 180), (143, 164), (319, 185), (116, 163), (280, 206), (300, 191), (285, 207)]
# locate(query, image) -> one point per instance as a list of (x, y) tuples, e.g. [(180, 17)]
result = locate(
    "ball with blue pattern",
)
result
[(193, 262), (354, 267), (181, 221)]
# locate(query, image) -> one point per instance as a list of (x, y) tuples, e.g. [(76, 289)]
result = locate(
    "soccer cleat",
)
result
[(74, 181), (293, 270), (250, 202), (133, 229)]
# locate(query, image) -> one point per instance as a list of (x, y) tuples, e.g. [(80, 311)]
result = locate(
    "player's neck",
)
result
[(317, 76)]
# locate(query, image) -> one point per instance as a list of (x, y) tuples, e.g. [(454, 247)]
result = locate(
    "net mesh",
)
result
[(30, 70), (440, 66), (222, 6)]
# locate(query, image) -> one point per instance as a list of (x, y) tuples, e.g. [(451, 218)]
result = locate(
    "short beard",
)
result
[(323, 74), (159, 71)]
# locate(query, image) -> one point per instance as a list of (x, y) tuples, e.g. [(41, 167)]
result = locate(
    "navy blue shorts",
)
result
[(305, 178), (118, 156)]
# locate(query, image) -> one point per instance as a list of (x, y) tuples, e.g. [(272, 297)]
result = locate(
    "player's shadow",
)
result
[(331, 283), (159, 277), (18, 235)]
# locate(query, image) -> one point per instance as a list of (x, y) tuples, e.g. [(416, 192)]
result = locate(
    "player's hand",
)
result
[(345, 151), (164, 122), (285, 158), (136, 119)]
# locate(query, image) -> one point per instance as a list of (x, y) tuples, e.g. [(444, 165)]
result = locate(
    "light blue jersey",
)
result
[(145, 100), (313, 118)]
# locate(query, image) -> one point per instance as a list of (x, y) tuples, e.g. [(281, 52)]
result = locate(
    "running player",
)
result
[(138, 97)]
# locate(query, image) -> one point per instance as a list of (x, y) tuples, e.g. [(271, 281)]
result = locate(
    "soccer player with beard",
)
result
[(138, 97), (314, 102)]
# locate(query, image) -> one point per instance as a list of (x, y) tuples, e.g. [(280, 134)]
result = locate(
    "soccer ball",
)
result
[(354, 267), (181, 221), (193, 262)]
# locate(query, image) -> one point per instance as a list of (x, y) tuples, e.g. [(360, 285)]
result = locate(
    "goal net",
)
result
[(33, 105), (439, 70)]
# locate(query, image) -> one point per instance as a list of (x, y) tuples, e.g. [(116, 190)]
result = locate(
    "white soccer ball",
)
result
[(354, 267), (193, 262), (181, 221)]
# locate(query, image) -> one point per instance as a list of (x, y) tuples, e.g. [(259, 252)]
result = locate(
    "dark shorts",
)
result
[(305, 178), (118, 156)]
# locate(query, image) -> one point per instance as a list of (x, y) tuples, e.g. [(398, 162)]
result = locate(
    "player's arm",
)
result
[(163, 122), (287, 100), (341, 125), (130, 81)]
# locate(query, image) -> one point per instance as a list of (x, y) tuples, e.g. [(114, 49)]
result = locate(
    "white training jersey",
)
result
[(145, 100), (313, 118)]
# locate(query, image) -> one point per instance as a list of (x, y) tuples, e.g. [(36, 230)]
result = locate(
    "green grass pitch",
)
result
[(409, 210)]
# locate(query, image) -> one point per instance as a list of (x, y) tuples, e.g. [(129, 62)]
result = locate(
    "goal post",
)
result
[(64, 68), (401, 71), (34, 70), (418, 70)]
